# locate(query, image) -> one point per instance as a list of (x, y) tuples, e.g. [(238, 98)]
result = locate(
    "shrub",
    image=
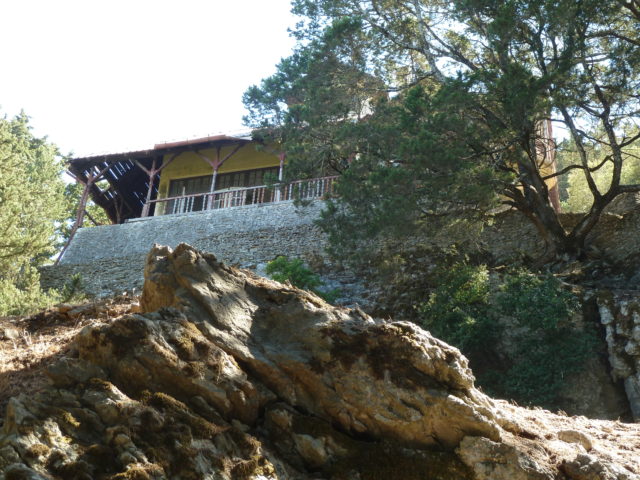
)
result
[(294, 271), (471, 310), (458, 310), (22, 295), (73, 290)]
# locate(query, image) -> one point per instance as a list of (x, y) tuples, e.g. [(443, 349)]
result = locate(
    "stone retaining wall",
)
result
[(209, 230), (110, 259)]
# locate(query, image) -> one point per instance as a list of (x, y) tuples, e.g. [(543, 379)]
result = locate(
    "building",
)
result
[(181, 177), (184, 177), (221, 194)]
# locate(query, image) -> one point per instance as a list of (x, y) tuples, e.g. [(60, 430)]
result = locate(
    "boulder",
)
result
[(225, 375), (373, 378)]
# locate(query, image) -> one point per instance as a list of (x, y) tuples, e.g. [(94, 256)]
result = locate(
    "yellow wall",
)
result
[(189, 164)]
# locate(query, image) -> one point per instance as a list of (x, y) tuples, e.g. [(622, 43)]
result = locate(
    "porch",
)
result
[(236, 197)]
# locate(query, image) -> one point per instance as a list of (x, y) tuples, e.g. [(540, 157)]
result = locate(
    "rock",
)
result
[(619, 312), (632, 387), (624, 203), (81, 311), (573, 436), (8, 456), (587, 467), (312, 450), (310, 443), (379, 379), (22, 472), (491, 460), (632, 348), (9, 333), (69, 371), (64, 307), (635, 333), (224, 375)]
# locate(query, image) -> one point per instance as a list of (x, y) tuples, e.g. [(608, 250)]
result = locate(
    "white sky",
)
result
[(116, 75)]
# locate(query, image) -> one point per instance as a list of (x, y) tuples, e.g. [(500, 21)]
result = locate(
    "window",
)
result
[(224, 181), (188, 186), (245, 179)]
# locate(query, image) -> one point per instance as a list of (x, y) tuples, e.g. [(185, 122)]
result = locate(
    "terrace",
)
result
[(237, 197), (210, 173)]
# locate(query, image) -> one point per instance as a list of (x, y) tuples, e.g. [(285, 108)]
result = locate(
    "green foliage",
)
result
[(21, 295), (515, 328), (577, 195), (537, 302), (73, 290), (410, 177), (31, 208), (430, 109), (298, 274), (458, 310), (294, 271)]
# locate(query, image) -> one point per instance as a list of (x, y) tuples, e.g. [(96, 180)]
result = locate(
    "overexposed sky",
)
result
[(109, 76)]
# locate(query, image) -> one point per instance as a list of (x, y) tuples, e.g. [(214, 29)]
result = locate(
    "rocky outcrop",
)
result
[(620, 316), (222, 374)]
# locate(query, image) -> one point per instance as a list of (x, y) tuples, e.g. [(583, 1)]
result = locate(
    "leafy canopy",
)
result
[(515, 328), (578, 197), (283, 269), (31, 208), (431, 108)]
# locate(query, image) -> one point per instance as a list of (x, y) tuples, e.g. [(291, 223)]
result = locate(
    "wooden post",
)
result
[(281, 156), (281, 171), (152, 176), (82, 205), (215, 165), (79, 219), (119, 203)]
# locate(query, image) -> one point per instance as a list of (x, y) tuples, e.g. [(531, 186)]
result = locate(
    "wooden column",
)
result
[(82, 205), (215, 164), (281, 157), (152, 176)]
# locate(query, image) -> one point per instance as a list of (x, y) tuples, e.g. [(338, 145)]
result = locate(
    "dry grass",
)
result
[(43, 338)]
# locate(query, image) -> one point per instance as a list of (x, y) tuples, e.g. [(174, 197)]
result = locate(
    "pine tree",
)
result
[(452, 123), (31, 208)]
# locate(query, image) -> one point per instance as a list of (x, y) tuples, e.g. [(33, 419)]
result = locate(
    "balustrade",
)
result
[(300, 189)]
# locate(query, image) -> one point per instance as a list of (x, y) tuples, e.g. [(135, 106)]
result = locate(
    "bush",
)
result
[(471, 310), (22, 295), (73, 290), (294, 271), (458, 311)]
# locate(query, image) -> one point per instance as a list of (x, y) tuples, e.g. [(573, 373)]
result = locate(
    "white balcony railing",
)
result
[(300, 189)]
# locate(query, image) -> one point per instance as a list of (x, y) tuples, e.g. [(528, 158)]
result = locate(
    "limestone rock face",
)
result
[(620, 317), (500, 461), (390, 380), (224, 375)]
